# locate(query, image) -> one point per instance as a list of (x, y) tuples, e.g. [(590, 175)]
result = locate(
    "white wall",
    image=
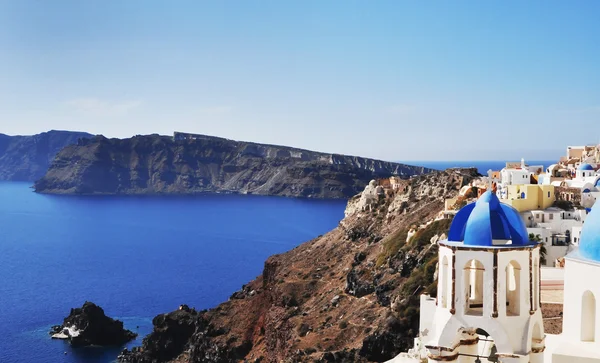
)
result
[(577, 281), (515, 176), (512, 334)]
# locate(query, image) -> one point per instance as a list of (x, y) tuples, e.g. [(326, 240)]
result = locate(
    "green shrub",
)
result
[(391, 246)]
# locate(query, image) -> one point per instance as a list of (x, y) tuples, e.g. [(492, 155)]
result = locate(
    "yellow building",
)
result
[(527, 197)]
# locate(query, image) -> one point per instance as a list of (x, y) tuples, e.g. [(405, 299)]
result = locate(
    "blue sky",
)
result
[(395, 80)]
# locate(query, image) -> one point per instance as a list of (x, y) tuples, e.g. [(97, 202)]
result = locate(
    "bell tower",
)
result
[(488, 305)]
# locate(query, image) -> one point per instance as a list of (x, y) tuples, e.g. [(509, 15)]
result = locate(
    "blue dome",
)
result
[(597, 183), (585, 167), (589, 245), (479, 223)]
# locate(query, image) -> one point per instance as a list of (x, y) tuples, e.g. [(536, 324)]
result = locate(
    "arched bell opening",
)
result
[(513, 289), (473, 282)]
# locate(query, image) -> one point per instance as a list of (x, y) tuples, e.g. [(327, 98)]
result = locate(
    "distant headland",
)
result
[(192, 164), (27, 158)]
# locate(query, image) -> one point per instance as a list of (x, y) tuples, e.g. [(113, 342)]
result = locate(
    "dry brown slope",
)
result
[(350, 295)]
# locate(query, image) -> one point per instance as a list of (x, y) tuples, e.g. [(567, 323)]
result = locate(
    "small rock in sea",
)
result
[(89, 326)]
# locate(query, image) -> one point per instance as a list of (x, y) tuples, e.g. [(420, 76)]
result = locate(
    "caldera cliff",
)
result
[(27, 158), (351, 295), (161, 164)]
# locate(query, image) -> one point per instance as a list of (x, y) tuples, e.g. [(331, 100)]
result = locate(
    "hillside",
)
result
[(159, 164), (348, 296), (27, 158)]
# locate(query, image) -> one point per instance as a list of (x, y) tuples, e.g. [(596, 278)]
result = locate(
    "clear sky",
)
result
[(395, 80)]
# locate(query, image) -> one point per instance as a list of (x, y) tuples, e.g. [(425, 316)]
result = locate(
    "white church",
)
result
[(488, 302)]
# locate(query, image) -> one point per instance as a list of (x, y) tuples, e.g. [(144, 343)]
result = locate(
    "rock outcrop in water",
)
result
[(89, 326), (162, 164), (351, 295), (27, 158)]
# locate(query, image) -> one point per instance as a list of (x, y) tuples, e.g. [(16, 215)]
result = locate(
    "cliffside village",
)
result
[(495, 289), (553, 202)]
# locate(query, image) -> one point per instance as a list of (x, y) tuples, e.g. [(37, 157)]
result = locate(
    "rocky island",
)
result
[(88, 325), (27, 158), (351, 295), (190, 164)]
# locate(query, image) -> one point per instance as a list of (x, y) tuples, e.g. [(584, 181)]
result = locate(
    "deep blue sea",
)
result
[(482, 166), (134, 256)]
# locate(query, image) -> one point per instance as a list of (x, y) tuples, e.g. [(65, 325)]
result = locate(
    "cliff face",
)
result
[(26, 158), (159, 164), (351, 295)]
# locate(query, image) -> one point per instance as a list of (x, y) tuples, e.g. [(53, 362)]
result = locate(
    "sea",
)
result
[(139, 256), (482, 166), (135, 256)]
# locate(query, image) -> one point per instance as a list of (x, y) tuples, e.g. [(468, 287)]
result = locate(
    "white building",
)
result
[(514, 176), (585, 177), (590, 194), (488, 290), (580, 339), (488, 303), (559, 230)]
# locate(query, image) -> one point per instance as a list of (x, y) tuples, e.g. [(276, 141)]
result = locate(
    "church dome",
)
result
[(488, 222), (585, 167), (589, 245)]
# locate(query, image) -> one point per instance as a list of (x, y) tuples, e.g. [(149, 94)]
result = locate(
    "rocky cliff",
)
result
[(351, 295), (27, 158), (160, 164)]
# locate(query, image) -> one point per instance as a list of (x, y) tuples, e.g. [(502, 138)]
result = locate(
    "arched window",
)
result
[(588, 317), (513, 289), (473, 282), (444, 279)]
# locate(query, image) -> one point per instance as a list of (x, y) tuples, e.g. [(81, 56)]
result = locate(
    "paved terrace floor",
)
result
[(552, 285)]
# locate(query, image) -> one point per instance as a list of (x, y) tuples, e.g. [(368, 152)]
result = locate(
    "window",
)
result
[(548, 194), (588, 317), (551, 216)]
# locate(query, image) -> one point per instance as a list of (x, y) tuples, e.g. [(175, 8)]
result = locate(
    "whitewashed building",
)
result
[(558, 229), (580, 338), (514, 176), (585, 177), (488, 304)]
